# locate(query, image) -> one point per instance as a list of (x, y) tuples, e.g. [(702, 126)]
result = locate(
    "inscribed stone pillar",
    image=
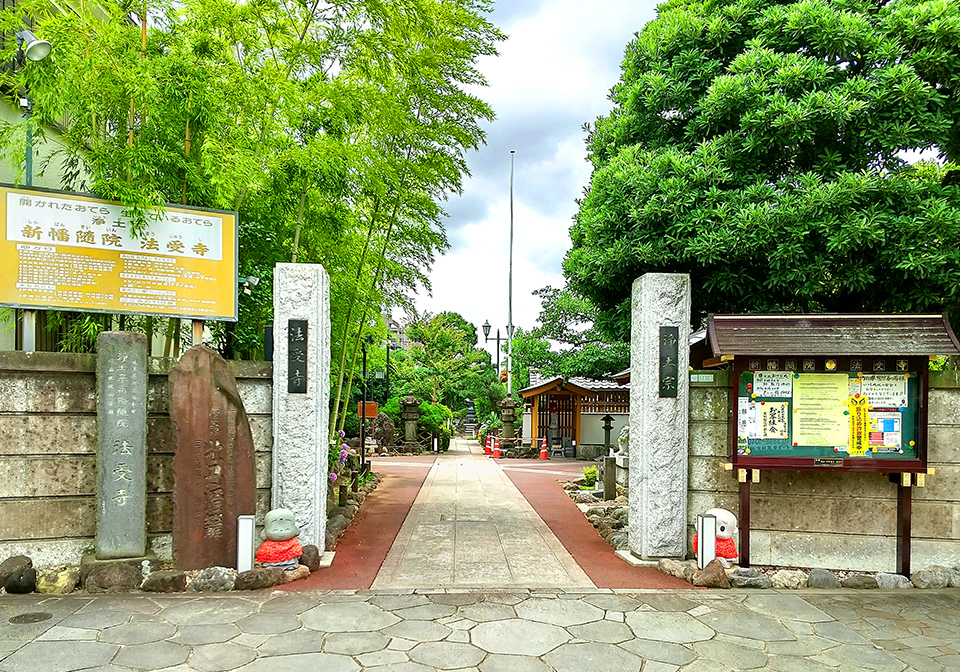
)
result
[(121, 445), (301, 396), (214, 468), (659, 414)]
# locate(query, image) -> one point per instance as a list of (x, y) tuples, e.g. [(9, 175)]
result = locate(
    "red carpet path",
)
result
[(366, 542), (595, 556)]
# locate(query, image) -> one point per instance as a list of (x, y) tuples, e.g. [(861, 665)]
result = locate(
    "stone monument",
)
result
[(301, 396), (121, 445), (410, 415), (659, 416), (214, 469)]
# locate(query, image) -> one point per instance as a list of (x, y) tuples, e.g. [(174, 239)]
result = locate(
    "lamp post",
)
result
[(486, 338), (29, 48), (510, 289), (390, 346)]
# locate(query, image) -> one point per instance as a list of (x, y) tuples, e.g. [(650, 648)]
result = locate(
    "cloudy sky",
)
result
[(553, 74)]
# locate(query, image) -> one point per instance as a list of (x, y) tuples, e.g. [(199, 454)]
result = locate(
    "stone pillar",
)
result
[(121, 445), (301, 396), (659, 414)]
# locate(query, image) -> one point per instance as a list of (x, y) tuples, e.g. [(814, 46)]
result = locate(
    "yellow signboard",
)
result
[(70, 252)]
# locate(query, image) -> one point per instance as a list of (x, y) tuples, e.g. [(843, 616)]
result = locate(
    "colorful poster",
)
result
[(886, 429), (773, 384), (819, 406), (859, 442), (773, 420), (747, 421), (885, 391)]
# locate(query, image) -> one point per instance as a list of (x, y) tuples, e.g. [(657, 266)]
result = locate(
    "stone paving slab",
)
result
[(489, 631), (471, 528)]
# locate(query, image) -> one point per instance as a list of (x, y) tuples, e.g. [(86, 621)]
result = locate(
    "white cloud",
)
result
[(553, 74)]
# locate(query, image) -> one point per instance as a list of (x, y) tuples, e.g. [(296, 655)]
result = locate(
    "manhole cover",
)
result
[(31, 617)]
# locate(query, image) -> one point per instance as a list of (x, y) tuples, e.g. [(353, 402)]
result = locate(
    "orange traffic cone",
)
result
[(543, 450), (496, 448)]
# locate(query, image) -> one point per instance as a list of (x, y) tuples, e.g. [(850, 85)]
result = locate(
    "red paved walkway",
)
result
[(363, 547), (595, 556)]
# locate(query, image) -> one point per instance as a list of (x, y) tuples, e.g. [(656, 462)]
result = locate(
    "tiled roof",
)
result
[(537, 379)]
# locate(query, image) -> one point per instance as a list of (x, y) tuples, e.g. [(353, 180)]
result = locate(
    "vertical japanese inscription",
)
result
[(669, 361), (297, 331), (121, 445)]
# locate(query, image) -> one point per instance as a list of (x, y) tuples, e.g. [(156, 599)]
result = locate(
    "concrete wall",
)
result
[(591, 427), (831, 520), (48, 452)]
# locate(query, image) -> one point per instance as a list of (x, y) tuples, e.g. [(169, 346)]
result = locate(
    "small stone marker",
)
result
[(214, 470), (121, 445)]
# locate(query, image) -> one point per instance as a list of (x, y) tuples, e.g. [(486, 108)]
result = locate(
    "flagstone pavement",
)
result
[(489, 631)]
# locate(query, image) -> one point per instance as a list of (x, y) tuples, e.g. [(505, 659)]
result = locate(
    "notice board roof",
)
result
[(832, 334)]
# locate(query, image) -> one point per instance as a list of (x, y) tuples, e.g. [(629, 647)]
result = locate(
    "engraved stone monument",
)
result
[(301, 396), (659, 417), (214, 471), (121, 445), (410, 414)]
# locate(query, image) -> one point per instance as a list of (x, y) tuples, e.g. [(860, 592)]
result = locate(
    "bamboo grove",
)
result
[(335, 129)]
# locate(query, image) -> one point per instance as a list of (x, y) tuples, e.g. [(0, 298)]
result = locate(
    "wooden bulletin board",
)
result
[(830, 417)]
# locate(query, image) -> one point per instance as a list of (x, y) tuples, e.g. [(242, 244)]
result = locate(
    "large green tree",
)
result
[(763, 147)]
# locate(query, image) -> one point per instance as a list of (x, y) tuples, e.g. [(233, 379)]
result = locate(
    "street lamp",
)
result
[(29, 48), (486, 337), (510, 289)]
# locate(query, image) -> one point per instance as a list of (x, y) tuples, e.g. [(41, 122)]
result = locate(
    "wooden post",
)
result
[(744, 519), (904, 501), (197, 332)]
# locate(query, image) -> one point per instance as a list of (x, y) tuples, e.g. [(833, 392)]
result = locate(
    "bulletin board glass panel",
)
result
[(842, 414)]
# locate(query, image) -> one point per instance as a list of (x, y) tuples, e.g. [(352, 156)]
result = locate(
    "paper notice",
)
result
[(773, 420), (819, 401), (885, 431), (889, 391), (773, 384), (748, 426), (859, 442)]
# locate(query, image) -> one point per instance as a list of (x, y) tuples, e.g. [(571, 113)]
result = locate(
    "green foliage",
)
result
[(433, 417), (589, 476), (759, 147), (335, 129)]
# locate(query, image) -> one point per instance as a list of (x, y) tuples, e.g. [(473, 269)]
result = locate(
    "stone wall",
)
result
[(830, 520), (48, 452)]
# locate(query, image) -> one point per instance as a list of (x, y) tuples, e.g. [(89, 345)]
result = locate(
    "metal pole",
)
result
[(363, 411), (386, 397), (510, 289), (29, 321)]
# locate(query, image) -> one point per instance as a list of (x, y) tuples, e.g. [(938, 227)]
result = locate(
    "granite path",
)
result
[(471, 527), (485, 631)]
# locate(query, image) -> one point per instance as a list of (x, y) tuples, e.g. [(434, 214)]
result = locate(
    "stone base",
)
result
[(326, 559), (632, 560), (90, 561)]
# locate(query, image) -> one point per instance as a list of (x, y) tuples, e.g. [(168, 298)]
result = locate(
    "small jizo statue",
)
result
[(726, 530), (281, 548)]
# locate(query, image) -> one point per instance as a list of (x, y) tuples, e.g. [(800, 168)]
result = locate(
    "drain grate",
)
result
[(30, 617)]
